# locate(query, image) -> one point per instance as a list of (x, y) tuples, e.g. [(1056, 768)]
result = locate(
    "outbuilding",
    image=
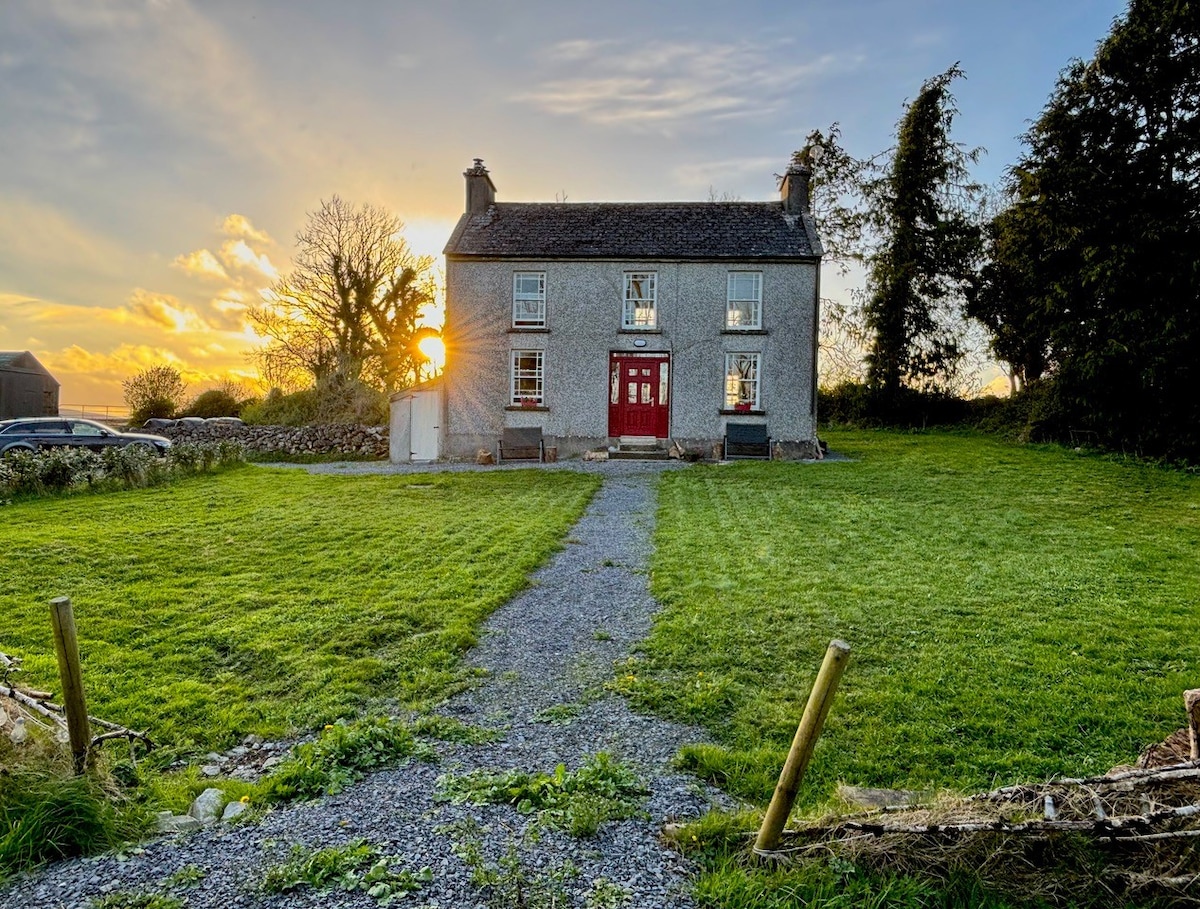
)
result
[(27, 389)]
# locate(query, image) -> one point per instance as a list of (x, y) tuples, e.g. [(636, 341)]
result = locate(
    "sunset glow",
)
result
[(160, 158)]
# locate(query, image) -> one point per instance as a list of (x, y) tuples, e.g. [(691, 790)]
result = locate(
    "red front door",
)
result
[(639, 395)]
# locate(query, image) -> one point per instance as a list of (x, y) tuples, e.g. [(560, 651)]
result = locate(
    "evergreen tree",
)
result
[(1106, 222), (929, 244)]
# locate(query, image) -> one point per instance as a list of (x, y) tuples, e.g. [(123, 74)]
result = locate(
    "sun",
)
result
[(434, 350)]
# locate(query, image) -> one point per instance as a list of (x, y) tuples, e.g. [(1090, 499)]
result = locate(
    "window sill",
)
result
[(521, 408), (743, 331), (639, 331), (742, 413), (531, 330)]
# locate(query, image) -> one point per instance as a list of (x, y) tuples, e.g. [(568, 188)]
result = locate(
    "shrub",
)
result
[(279, 409), (29, 474), (217, 402), (328, 402)]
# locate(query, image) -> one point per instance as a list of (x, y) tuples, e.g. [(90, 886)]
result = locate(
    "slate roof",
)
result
[(635, 230)]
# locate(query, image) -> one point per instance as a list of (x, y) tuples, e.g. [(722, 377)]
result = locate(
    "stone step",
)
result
[(637, 453)]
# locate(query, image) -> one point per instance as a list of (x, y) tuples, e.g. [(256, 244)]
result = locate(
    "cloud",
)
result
[(714, 173), (166, 312), (663, 85), (37, 236), (236, 225), (201, 264), (236, 254)]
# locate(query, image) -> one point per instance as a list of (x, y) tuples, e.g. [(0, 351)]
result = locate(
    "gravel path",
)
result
[(553, 645)]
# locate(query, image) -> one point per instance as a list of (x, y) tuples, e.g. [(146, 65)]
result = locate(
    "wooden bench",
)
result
[(524, 444), (746, 440)]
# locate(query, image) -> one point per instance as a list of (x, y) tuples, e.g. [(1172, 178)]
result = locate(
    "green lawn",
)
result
[(267, 600), (1015, 613)]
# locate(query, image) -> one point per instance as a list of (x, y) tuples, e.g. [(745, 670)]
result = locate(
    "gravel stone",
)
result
[(539, 651)]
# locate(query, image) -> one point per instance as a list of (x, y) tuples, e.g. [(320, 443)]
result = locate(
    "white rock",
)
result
[(232, 810), (165, 822), (207, 807)]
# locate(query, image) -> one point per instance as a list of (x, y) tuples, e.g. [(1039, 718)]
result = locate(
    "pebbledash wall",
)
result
[(583, 326)]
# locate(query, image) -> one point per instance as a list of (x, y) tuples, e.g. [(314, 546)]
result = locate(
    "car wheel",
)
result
[(13, 449)]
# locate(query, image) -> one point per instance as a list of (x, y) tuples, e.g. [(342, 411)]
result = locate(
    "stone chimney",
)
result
[(481, 192), (794, 189)]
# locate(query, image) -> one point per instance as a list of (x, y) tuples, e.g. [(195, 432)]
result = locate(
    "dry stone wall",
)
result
[(361, 441)]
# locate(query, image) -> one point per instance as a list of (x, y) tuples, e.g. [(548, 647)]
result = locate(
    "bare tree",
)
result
[(349, 310)]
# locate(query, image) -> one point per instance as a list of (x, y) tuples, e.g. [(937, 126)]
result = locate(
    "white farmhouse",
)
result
[(631, 324)]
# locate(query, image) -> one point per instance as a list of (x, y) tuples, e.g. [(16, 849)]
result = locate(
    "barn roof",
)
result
[(22, 361)]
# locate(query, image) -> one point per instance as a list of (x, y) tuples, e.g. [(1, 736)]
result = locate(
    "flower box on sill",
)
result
[(742, 407)]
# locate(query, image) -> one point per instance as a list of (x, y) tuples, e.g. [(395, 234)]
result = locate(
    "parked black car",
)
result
[(40, 433)]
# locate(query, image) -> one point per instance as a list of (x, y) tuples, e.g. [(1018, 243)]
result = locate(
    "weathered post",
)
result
[(66, 645), (807, 733), (1191, 701)]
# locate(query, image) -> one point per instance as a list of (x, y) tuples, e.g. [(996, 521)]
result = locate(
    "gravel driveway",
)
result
[(551, 647)]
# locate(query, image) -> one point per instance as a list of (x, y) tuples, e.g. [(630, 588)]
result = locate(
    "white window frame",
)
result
[(529, 307), (743, 379), (639, 311), (527, 383), (742, 312)]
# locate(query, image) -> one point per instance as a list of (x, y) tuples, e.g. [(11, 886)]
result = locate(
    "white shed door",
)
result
[(425, 426)]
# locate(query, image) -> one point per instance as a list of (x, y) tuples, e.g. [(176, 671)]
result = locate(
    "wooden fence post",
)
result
[(807, 733), (66, 645)]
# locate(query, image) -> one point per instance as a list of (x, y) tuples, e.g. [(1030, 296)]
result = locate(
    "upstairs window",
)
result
[(744, 308), (641, 289), (529, 299), (741, 381), (528, 387)]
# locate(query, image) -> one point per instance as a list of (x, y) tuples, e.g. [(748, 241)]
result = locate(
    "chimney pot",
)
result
[(794, 190), (481, 192)]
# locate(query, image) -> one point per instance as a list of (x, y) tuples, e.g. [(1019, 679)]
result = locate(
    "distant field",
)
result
[(269, 600), (1015, 612)]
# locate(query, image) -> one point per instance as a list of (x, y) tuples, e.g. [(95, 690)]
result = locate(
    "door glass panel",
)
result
[(645, 372), (631, 395), (663, 371), (646, 399), (615, 384)]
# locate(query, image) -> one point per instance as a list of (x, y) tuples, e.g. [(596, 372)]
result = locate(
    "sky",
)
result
[(157, 157)]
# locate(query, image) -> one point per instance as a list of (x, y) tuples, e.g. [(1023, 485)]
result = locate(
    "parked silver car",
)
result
[(41, 433)]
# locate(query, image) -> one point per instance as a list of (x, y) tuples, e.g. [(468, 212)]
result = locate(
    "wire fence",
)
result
[(94, 411)]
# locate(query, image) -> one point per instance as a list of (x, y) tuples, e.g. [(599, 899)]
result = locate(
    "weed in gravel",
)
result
[(187, 876), (448, 729), (506, 881), (601, 635), (358, 865), (558, 715), (342, 753), (577, 802), (122, 899), (607, 895)]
